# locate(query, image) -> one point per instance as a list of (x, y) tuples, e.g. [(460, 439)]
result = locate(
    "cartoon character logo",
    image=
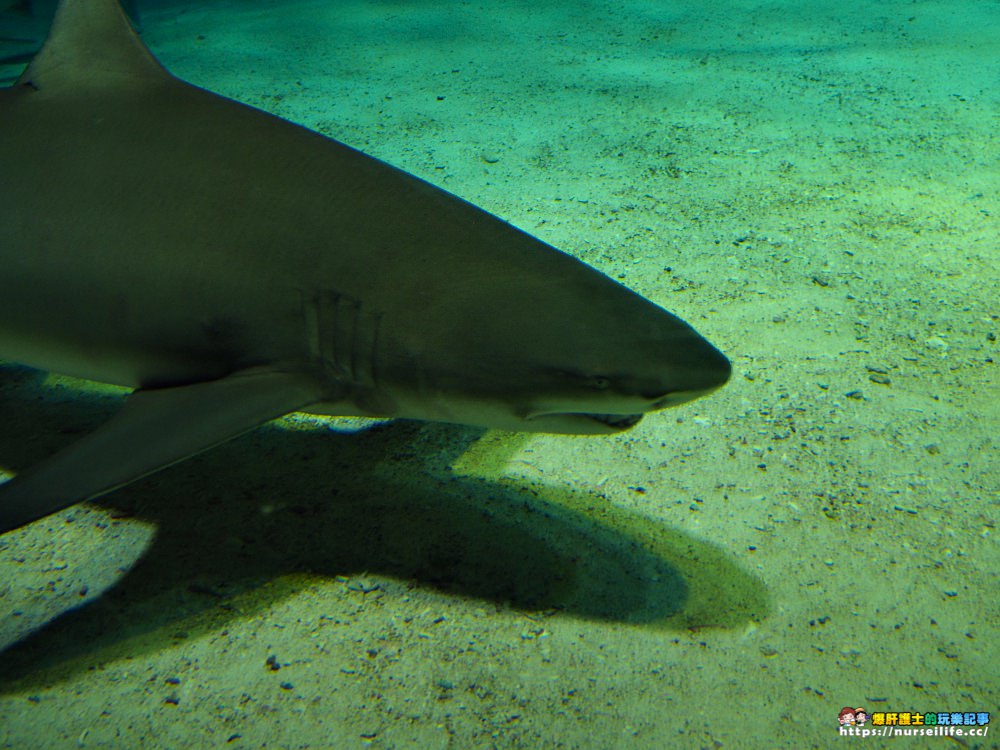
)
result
[(847, 716), (860, 716)]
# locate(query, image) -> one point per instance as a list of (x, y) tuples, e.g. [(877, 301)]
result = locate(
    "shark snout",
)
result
[(679, 379), (711, 369)]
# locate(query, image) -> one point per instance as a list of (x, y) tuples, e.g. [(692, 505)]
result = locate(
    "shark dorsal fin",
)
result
[(92, 45)]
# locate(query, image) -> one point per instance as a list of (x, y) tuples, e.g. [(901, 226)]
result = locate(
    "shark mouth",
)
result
[(615, 421), (610, 421)]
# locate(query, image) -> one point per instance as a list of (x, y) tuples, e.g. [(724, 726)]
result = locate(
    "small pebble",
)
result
[(363, 585)]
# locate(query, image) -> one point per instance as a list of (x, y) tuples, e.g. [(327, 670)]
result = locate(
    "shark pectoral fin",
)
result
[(156, 428)]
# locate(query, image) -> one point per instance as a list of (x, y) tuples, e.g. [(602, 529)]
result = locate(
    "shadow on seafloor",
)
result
[(384, 501)]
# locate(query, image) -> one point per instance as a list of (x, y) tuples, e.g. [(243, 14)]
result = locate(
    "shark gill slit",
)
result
[(329, 330), (364, 344), (342, 336), (352, 308), (310, 317)]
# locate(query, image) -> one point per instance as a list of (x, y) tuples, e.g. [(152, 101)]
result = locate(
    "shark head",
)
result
[(544, 343)]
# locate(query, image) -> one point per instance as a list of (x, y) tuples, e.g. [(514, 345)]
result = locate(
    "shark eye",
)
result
[(599, 382), (578, 379)]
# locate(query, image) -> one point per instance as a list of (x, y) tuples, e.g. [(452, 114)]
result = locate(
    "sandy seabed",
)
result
[(814, 186)]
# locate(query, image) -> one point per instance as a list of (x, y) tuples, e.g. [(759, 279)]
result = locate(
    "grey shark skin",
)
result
[(232, 267)]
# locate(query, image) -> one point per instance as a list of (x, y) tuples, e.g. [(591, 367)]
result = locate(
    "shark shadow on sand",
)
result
[(382, 502)]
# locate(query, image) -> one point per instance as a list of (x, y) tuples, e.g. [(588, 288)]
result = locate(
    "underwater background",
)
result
[(813, 186)]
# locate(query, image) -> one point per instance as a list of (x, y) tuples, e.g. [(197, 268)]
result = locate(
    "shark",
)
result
[(231, 267)]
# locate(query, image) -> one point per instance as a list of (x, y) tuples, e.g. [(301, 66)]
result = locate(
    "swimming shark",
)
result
[(232, 267)]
